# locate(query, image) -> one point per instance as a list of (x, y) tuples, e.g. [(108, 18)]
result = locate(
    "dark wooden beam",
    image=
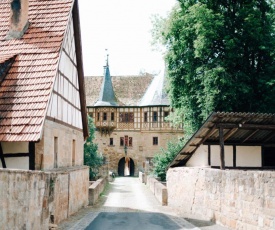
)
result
[(213, 129), (269, 137), (186, 154), (31, 155), (209, 155), (245, 126), (221, 148), (2, 157), (240, 143), (10, 155), (234, 156), (250, 135)]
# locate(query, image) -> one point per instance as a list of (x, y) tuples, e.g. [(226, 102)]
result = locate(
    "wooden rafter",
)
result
[(250, 135), (230, 133)]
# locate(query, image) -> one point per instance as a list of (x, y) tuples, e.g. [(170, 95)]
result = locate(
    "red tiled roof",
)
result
[(25, 90)]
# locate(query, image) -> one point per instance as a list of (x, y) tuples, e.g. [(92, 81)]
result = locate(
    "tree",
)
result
[(162, 159), (220, 57), (91, 156)]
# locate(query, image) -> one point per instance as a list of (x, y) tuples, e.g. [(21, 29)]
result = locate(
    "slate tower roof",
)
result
[(107, 95), (155, 94)]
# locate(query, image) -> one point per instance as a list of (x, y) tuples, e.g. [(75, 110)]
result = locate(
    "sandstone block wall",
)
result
[(142, 147), (234, 198), (95, 189), (33, 199), (66, 136), (159, 190)]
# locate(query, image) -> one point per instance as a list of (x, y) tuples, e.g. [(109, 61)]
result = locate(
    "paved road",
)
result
[(128, 204)]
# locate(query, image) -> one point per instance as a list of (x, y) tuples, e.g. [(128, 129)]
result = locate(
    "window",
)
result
[(98, 116), (155, 116), (155, 140), (112, 116), (122, 141), (126, 117), (55, 149), (126, 141), (104, 116), (73, 153), (111, 141), (90, 114), (145, 117), (166, 114)]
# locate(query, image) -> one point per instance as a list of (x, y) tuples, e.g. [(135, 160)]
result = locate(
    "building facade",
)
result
[(130, 120)]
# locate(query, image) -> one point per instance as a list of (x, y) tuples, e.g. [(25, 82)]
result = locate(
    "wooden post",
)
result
[(221, 148), (31, 155), (2, 157)]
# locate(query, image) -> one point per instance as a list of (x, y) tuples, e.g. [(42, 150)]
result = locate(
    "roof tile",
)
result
[(25, 90)]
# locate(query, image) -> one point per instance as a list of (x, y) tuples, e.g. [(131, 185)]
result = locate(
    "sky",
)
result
[(123, 28)]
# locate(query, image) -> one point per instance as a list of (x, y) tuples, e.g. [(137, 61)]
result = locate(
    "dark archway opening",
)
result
[(127, 169)]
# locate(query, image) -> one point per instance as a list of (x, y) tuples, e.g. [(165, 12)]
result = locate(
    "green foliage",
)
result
[(91, 156), (220, 57), (162, 159)]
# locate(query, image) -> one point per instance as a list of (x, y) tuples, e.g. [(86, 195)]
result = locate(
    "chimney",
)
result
[(18, 19)]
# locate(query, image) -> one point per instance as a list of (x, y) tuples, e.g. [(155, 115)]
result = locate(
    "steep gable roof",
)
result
[(128, 89), (26, 88), (155, 95)]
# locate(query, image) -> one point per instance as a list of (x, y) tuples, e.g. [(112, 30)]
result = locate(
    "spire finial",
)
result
[(107, 57)]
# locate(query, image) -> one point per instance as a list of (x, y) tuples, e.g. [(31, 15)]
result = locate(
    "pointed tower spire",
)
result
[(106, 96)]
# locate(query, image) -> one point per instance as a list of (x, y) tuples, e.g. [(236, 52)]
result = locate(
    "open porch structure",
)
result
[(231, 140)]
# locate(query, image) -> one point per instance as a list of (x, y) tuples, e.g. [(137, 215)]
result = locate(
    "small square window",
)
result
[(122, 141), (155, 140), (155, 116), (104, 116), (111, 141), (145, 117)]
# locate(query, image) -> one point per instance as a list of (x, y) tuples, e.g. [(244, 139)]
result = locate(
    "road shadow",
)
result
[(132, 221)]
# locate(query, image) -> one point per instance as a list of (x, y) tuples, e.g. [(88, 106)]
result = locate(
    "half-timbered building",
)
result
[(43, 118), (42, 104), (130, 119)]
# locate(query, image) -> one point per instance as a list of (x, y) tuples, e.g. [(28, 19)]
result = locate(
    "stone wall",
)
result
[(95, 189), (67, 138), (233, 198), (33, 199), (142, 147), (158, 189)]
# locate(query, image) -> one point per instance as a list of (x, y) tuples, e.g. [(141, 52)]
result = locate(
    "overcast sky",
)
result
[(123, 27)]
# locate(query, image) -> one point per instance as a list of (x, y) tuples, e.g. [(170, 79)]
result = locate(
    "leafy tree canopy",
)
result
[(220, 57), (91, 156), (162, 159)]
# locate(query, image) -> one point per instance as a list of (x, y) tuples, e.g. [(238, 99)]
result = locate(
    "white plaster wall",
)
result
[(215, 155), (249, 156), (16, 163), (58, 107), (200, 157), (15, 147)]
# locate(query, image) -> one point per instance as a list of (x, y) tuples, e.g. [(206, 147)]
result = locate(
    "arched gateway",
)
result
[(126, 167)]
